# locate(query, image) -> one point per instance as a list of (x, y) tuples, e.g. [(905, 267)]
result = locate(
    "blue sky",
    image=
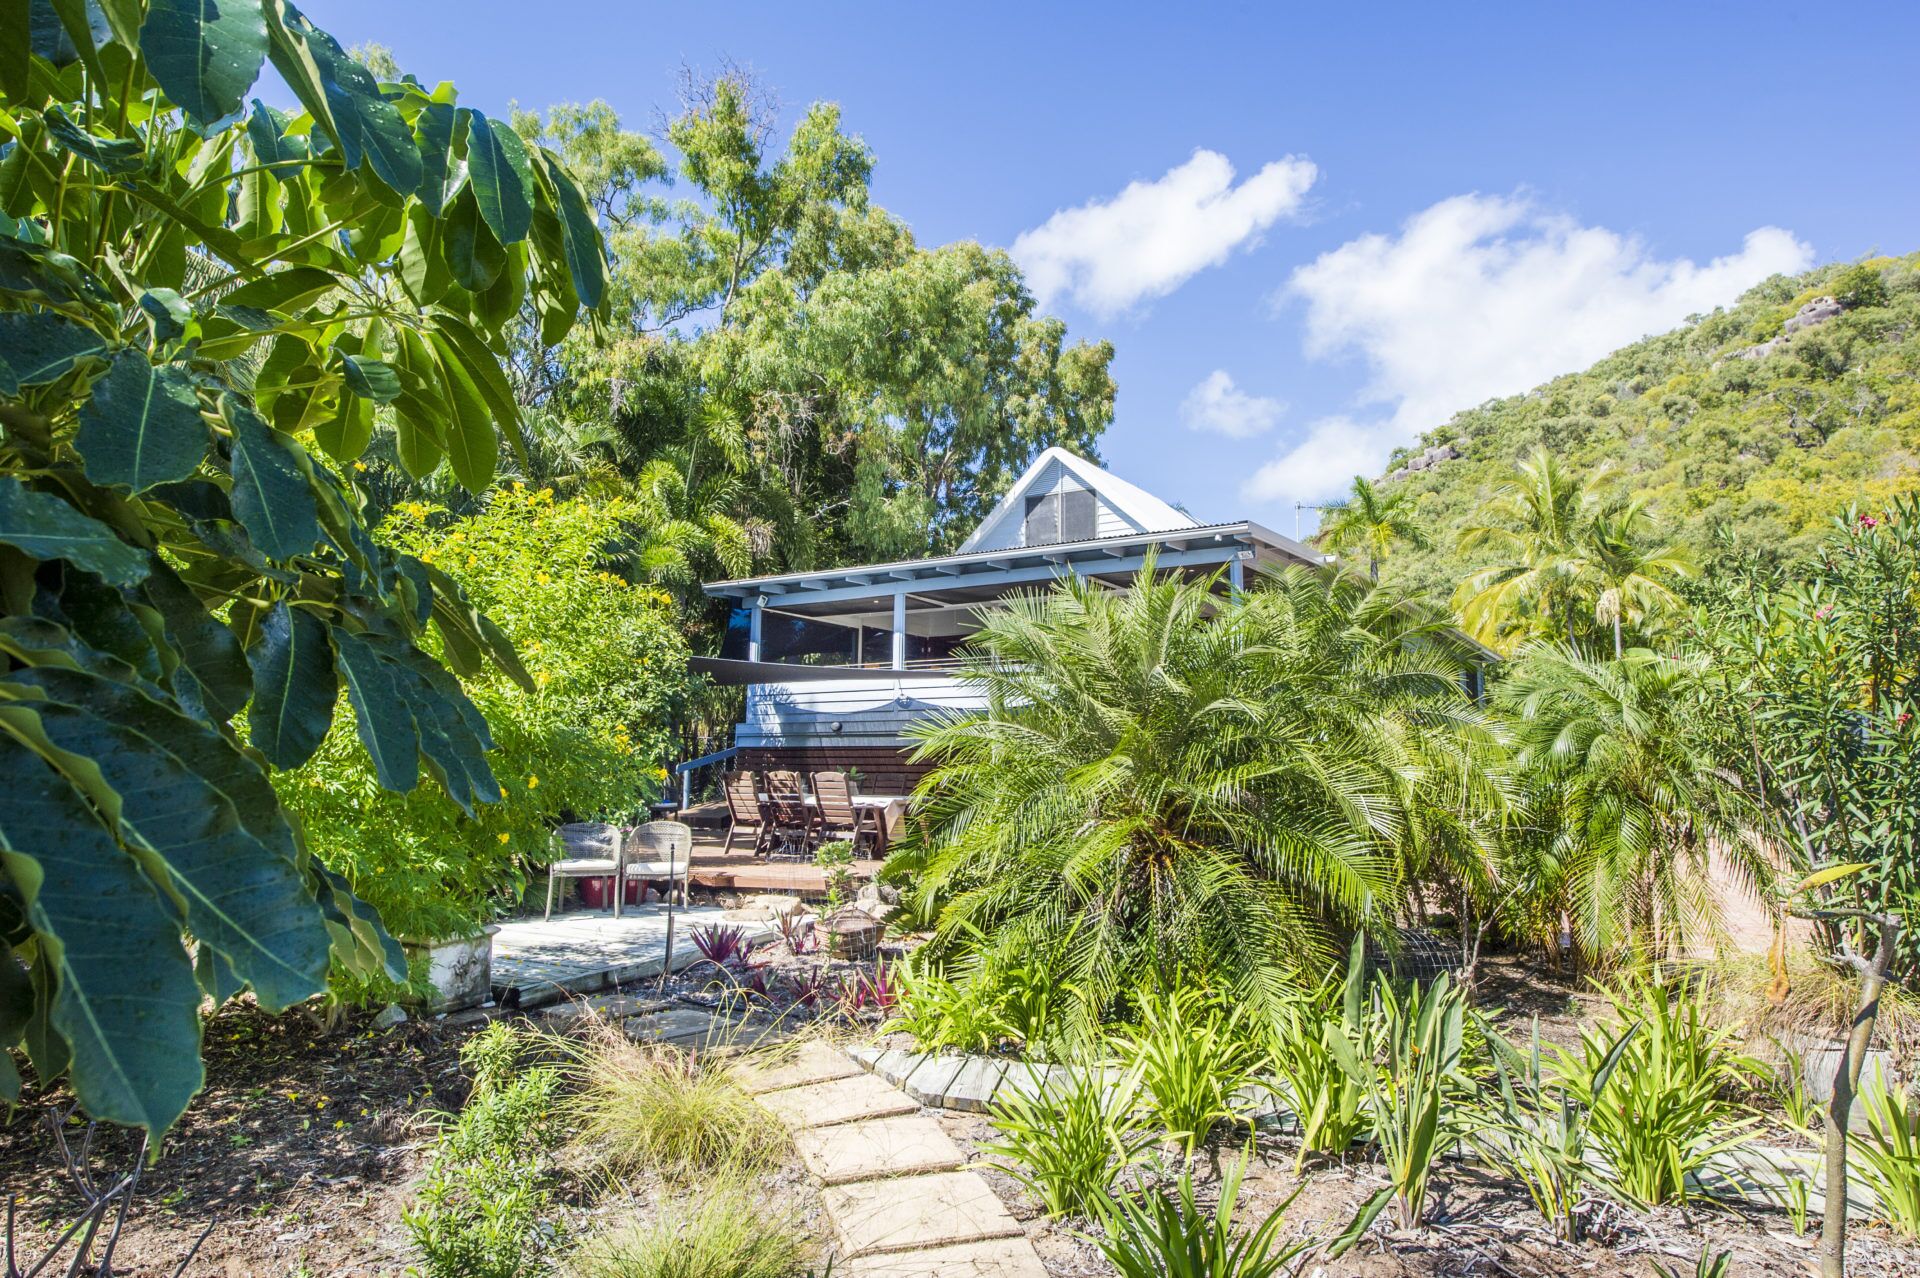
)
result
[(1428, 205)]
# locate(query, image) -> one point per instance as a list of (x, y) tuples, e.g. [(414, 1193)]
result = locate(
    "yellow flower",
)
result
[(503, 836), (359, 465), (533, 783), (540, 678), (542, 578)]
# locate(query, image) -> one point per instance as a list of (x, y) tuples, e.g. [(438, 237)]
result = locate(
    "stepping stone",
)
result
[(914, 1213), (813, 1063), (841, 1100), (679, 1026), (902, 1146), (1001, 1258)]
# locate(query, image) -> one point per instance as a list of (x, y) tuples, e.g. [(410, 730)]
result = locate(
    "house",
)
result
[(839, 661)]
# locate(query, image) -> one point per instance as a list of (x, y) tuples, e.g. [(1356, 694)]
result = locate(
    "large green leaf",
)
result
[(267, 131), (126, 1001), (206, 54), (586, 255), (44, 527), (105, 619), (370, 378), (386, 723), (469, 247), (433, 133), (472, 446), (117, 156), (195, 809), (484, 367), (368, 125), (285, 291), (211, 679), (423, 264), (37, 348), (500, 176), (294, 687), (420, 413), (142, 427), (271, 496)]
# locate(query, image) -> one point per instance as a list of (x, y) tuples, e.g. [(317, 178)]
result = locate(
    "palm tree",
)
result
[(1375, 520), (1629, 577), (1168, 784), (1537, 526), (1628, 808)]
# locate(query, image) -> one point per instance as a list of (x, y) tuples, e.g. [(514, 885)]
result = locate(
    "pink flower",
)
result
[(1902, 719), (1823, 612), (1868, 521)]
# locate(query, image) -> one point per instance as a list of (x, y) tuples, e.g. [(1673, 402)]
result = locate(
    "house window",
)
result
[(1043, 520), (1067, 515), (1077, 515)]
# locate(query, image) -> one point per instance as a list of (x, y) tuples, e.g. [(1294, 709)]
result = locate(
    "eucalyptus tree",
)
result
[(879, 394), (1373, 520), (205, 310), (1172, 784), (1627, 805)]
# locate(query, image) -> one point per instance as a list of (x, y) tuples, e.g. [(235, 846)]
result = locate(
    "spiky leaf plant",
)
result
[(1175, 784)]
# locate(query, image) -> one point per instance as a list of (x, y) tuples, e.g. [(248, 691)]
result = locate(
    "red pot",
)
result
[(597, 894)]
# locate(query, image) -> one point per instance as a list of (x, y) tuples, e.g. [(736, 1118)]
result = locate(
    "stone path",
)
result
[(902, 1203), (538, 961)]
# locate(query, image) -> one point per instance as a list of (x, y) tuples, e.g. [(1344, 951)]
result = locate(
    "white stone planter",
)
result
[(460, 970)]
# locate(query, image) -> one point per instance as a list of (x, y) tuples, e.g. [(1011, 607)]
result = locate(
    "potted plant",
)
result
[(456, 973)]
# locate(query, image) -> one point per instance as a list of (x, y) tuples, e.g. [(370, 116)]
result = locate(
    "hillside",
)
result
[(1755, 423)]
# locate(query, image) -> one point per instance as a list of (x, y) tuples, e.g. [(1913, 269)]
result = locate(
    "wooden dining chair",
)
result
[(835, 812), (588, 850), (789, 816), (744, 810)]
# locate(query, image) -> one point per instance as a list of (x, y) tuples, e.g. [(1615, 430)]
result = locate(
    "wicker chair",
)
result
[(591, 850), (660, 851)]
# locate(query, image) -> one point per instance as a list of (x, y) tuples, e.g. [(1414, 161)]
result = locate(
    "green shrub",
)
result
[(608, 668), (1156, 1236), (1311, 1036), (1887, 1154), (1072, 1137), (946, 1012), (726, 1230), (485, 1208), (646, 1106), (1534, 1130), (1196, 1059), (1661, 1112), (1415, 1100)]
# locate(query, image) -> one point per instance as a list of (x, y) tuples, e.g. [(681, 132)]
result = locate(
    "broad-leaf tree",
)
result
[(205, 304)]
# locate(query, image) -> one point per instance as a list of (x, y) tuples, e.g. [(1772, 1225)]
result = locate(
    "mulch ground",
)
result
[(297, 1153)]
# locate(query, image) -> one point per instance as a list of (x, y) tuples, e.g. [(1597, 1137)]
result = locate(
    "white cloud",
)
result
[(1481, 296), (1151, 238), (1322, 464), (1216, 404)]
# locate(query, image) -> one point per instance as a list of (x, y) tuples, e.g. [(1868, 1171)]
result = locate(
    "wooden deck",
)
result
[(739, 871)]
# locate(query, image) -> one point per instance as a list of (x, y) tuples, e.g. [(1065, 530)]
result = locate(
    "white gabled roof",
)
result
[(1138, 506)]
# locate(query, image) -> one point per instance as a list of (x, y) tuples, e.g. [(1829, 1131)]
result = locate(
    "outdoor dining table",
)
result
[(888, 811)]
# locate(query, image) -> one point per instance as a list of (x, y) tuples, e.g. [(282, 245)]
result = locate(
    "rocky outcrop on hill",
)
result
[(1423, 461), (1817, 311)]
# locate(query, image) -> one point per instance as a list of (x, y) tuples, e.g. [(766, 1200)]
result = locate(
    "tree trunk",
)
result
[(1846, 1081), (1616, 636)]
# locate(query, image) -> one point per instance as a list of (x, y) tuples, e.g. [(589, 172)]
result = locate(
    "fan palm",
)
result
[(1374, 520), (1168, 784), (1537, 528), (1628, 576), (1629, 810)]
